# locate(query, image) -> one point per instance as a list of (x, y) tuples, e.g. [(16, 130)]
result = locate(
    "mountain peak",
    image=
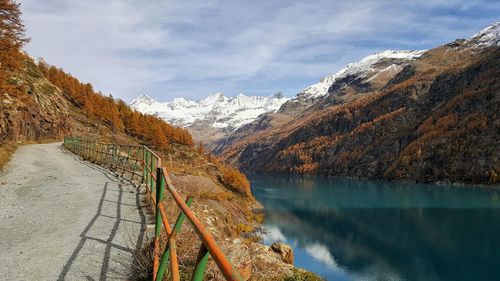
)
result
[(216, 95), (360, 68), (142, 99), (489, 36)]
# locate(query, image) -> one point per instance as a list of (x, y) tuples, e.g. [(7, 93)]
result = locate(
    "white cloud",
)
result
[(191, 48)]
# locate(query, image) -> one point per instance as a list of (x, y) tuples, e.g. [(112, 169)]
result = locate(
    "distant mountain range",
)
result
[(424, 115), (214, 116), (217, 116)]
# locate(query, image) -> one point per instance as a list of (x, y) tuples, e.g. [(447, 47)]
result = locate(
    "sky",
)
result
[(170, 49)]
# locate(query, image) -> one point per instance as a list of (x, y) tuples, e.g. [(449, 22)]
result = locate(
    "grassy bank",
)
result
[(6, 151)]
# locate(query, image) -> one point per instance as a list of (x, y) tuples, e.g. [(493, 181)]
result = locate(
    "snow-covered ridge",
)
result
[(490, 36), (230, 113), (362, 67), (216, 110)]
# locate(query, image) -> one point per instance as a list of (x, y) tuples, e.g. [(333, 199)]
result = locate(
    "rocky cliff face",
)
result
[(433, 118), (39, 112)]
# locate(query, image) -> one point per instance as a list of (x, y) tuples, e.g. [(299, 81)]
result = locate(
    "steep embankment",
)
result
[(39, 112), (436, 119)]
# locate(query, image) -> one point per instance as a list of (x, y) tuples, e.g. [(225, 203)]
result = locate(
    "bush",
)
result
[(301, 275), (235, 179)]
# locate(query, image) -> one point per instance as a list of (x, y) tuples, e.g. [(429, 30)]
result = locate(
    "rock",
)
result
[(258, 210), (268, 265), (285, 251), (241, 259), (41, 113)]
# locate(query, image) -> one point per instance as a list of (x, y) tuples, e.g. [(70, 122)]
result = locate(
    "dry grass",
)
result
[(6, 151), (142, 264)]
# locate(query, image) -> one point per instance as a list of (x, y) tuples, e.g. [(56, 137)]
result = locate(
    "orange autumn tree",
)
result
[(12, 39), (116, 114), (82, 95)]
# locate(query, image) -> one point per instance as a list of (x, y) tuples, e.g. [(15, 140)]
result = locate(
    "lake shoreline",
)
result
[(405, 181), (339, 228)]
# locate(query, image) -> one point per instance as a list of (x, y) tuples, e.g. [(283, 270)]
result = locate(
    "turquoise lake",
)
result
[(345, 229)]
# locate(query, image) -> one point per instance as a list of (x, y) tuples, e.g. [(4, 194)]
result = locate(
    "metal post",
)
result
[(148, 169), (201, 264), (160, 183), (145, 165), (152, 168), (175, 230)]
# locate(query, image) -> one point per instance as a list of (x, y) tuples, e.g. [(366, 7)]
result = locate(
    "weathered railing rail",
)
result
[(142, 163)]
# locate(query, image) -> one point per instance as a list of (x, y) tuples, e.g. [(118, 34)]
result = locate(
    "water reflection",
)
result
[(369, 230), (321, 253)]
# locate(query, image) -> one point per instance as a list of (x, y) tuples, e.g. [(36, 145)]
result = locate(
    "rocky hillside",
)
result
[(213, 117), (369, 74), (432, 117), (42, 112)]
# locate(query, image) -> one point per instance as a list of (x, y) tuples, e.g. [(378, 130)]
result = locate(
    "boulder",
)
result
[(283, 250)]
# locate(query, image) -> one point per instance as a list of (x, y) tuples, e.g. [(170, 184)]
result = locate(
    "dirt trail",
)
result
[(65, 219)]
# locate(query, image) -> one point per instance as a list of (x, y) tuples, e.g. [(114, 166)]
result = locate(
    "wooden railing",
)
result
[(142, 163)]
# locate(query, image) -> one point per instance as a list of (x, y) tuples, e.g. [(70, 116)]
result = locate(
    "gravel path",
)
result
[(65, 219)]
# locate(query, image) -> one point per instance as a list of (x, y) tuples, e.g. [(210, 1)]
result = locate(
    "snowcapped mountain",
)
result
[(391, 62), (490, 36), (367, 67), (218, 116), (392, 115), (216, 110)]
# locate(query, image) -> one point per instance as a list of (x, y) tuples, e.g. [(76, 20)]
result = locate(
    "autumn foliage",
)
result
[(232, 177), (440, 123), (116, 114), (12, 39)]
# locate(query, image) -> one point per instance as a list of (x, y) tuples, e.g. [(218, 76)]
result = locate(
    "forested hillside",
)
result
[(115, 113), (434, 120), (38, 100)]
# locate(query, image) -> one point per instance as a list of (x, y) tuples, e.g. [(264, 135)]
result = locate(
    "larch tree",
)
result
[(12, 39)]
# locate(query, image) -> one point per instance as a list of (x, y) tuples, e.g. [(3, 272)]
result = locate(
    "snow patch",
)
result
[(490, 36)]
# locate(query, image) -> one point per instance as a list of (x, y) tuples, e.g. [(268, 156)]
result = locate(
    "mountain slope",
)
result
[(434, 120), (41, 113), (369, 74)]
